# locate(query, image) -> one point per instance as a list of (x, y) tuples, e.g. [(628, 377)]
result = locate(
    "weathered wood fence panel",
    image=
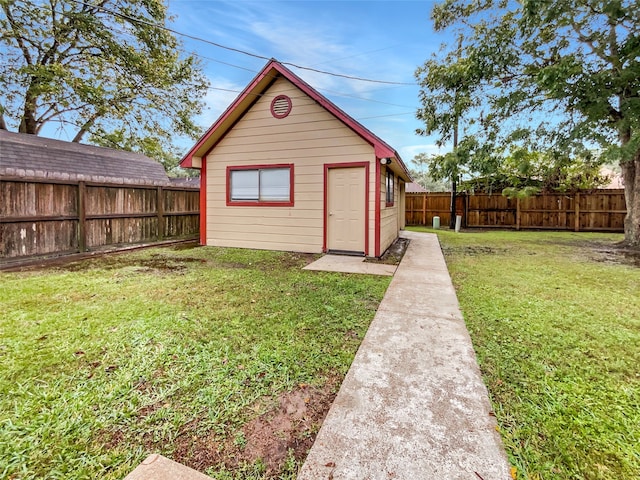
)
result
[(588, 211), (422, 207), (489, 210), (45, 217)]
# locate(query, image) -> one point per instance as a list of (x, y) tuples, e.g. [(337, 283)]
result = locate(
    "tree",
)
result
[(103, 68), (522, 173), (556, 75), (419, 172), (447, 94)]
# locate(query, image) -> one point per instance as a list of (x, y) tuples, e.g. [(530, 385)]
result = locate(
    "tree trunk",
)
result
[(87, 125), (631, 176), (28, 123), (454, 191), (454, 177), (79, 135)]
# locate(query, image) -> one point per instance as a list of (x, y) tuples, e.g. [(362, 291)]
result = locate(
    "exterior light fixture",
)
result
[(385, 161)]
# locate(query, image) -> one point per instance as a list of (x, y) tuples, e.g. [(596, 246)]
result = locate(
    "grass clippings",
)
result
[(201, 355), (555, 321)]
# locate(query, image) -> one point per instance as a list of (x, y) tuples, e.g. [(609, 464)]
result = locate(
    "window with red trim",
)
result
[(270, 185), (390, 188)]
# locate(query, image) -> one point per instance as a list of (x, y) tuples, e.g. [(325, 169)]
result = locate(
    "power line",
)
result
[(233, 49), (323, 89), (199, 55), (389, 115), (348, 95)]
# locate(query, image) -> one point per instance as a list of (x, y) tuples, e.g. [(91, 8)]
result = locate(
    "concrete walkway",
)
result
[(413, 405)]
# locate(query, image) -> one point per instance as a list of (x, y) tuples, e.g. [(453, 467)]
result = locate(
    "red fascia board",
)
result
[(187, 160), (382, 149), (257, 203)]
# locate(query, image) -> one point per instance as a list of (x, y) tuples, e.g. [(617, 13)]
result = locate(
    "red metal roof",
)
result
[(252, 92)]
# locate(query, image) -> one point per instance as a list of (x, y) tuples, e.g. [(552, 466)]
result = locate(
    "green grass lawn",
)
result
[(555, 321), (170, 351)]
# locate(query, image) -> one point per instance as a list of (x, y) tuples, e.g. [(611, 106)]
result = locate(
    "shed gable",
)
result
[(256, 90), (259, 135), (308, 138)]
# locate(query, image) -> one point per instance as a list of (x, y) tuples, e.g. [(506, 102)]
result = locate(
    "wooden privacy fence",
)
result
[(587, 211), (50, 217)]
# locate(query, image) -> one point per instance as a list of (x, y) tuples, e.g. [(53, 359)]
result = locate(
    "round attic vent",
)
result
[(281, 106)]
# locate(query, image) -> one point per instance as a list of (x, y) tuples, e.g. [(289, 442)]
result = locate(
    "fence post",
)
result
[(424, 209), (466, 209), (82, 217), (517, 213), (160, 212), (576, 212)]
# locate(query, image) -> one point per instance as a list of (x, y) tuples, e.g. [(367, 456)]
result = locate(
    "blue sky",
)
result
[(382, 40)]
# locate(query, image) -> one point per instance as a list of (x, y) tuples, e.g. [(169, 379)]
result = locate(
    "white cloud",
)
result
[(302, 44), (217, 101), (411, 151)]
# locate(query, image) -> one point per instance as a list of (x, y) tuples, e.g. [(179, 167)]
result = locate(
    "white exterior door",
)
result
[(346, 209)]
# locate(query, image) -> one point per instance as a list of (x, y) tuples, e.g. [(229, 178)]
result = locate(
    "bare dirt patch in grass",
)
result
[(472, 250), (618, 254), (603, 252), (288, 429), (298, 260)]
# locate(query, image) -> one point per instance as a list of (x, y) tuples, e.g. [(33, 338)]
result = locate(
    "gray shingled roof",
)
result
[(192, 182), (30, 156), (414, 188)]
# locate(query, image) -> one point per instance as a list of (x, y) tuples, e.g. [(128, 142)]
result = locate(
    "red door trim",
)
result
[(327, 167)]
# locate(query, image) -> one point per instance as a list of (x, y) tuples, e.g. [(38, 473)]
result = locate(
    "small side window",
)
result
[(390, 188)]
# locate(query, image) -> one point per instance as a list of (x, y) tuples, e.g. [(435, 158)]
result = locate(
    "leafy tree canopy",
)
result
[(419, 170), (544, 76), (522, 173), (102, 69)]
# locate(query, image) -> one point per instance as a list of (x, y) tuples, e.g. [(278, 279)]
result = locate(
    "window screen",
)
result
[(274, 185), (244, 185)]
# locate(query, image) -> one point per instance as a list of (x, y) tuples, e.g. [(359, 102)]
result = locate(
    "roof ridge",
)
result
[(228, 118), (29, 139)]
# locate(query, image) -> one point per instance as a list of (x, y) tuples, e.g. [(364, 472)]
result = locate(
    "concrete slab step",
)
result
[(157, 467)]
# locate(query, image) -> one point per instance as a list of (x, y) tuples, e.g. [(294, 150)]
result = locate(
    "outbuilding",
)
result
[(284, 168)]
